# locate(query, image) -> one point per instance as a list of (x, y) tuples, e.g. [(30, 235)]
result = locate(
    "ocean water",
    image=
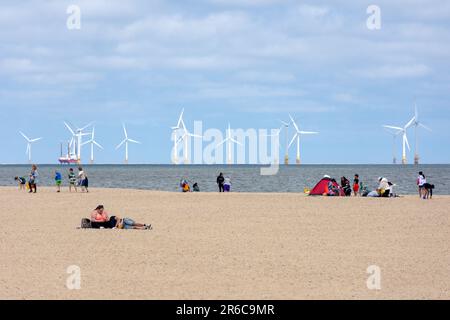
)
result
[(245, 178)]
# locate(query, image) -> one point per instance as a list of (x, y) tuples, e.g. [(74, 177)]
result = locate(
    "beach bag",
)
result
[(85, 223)]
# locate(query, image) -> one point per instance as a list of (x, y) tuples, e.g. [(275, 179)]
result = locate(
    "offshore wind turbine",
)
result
[(29, 143), (92, 142), (297, 135), (175, 130), (186, 135), (417, 124), (125, 141), (394, 134), (286, 154), (405, 143), (229, 140)]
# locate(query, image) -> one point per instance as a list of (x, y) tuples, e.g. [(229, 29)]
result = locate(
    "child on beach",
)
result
[(58, 181), (421, 180), (72, 180), (227, 184), (22, 182)]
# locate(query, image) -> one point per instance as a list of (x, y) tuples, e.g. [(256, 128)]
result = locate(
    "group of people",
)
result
[(223, 182), (100, 219), (425, 188), (75, 180)]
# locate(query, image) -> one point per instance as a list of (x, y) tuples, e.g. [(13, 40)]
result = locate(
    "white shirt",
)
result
[(422, 180)]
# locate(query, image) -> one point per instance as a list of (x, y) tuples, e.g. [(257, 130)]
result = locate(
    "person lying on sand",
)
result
[(101, 219)]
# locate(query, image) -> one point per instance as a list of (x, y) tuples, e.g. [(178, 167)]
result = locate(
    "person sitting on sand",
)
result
[(21, 182), (384, 188), (101, 219), (195, 187), (345, 185), (185, 187), (332, 189)]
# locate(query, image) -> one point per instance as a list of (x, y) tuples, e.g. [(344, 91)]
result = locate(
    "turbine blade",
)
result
[(308, 132), (125, 131), (120, 144), (406, 141), (86, 126), (425, 127), (293, 139), (23, 135), (70, 129), (180, 118), (293, 122), (410, 123), (34, 140), (235, 141), (395, 128), (133, 141), (97, 144), (223, 141)]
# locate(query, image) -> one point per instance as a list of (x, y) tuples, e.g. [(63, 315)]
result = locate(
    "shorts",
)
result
[(356, 187), (58, 182), (128, 223)]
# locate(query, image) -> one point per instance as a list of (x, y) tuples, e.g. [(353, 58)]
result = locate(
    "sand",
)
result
[(224, 246)]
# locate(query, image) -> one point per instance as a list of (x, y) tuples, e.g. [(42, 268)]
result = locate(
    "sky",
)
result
[(244, 62)]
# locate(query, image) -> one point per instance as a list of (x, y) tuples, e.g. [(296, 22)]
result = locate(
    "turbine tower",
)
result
[(405, 143), (175, 130), (29, 143), (229, 140), (394, 138), (92, 142), (417, 124), (186, 135), (297, 136), (125, 141), (286, 154)]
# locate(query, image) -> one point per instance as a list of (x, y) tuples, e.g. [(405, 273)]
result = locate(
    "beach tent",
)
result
[(321, 187)]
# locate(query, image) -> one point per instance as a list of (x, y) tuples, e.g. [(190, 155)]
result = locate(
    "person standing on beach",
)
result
[(220, 180), (356, 185), (33, 180), (58, 181), (72, 180), (83, 180), (421, 180)]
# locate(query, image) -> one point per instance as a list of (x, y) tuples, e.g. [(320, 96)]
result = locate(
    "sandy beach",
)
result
[(224, 246)]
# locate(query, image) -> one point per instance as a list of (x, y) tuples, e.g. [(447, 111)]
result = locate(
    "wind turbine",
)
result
[(92, 142), (229, 140), (404, 137), (77, 139), (184, 137), (417, 124), (394, 136), (175, 138), (125, 141), (29, 143), (286, 154), (297, 136)]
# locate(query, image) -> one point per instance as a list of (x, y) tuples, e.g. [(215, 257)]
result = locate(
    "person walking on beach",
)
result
[(421, 180), (356, 185), (83, 180), (72, 180), (58, 181), (220, 180), (33, 179)]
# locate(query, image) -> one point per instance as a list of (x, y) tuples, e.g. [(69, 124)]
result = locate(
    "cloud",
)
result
[(395, 71)]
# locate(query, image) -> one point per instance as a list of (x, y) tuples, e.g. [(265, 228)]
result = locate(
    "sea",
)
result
[(244, 178)]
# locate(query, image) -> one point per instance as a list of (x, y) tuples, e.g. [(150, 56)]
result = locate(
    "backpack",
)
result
[(85, 223)]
